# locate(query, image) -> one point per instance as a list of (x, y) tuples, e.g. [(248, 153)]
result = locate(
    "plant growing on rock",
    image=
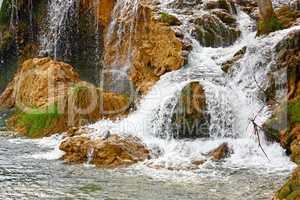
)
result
[(268, 21)]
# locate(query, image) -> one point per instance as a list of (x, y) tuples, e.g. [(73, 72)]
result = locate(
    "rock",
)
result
[(221, 152), (227, 5), (169, 19), (291, 189), (250, 7), (190, 119), (49, 98), (294, 5), (155, 50), (211, 31), (111, 153), (184, 4), (287, 16), (226, 66), (198, 162)]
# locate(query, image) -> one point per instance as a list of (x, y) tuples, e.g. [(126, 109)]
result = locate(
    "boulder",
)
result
[(220, 152), (190, 119), (211, 31), (113, 152), (48, 97)]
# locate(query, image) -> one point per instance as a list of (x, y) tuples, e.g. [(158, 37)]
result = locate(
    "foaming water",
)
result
[(232, 101)]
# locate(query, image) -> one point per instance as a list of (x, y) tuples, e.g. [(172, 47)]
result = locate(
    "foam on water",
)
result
[(232, 101)]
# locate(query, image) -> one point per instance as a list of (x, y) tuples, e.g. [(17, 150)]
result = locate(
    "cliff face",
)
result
[(147, 48)]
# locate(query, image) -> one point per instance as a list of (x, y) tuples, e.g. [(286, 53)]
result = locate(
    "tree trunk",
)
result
[(268, 21), (265, 9)]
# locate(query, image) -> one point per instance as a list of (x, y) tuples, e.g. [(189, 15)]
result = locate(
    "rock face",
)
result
[(190, 119), (154, 51), (49, 97), (218, 27), (109, 153)]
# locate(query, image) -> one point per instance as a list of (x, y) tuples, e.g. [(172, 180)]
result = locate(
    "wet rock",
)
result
[(155, 50), (250, 7), (221, 152), (169, 19), (184, 4), (190, 119), (211, 31), (227, 5), (291, 189), (113, 152), (294, 5), (226, 66)]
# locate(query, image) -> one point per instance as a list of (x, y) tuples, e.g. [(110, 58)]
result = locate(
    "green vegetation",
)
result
[(169, 19), (38, 119), (265, 27), (5, 12)]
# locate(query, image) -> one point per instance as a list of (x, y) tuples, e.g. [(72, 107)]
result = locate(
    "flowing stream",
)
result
[(30, 168)]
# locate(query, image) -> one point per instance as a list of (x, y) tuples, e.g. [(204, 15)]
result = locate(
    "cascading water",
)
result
[(124, 18), (61, 14), (232, 101)]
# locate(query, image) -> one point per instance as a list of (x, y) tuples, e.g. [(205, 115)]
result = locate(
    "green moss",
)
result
[(294, 195), (169, 19), (284, 191), (5, 12), (293, 109), (265, 27), (38, 119)]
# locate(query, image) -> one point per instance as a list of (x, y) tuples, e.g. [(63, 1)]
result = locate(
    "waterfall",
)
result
[(61, 15), (124, 20), (232, 101)]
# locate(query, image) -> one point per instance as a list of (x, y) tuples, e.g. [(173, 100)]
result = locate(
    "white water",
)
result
[(124, 18), (59, 12), (232, 101), (231, 98)]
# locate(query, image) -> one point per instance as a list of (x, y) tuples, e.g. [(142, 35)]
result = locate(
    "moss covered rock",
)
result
[(190, 119), (215, 30)]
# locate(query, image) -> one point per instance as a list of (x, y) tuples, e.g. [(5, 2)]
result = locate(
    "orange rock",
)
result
[(49, 98), (114, 152), (221, 152)]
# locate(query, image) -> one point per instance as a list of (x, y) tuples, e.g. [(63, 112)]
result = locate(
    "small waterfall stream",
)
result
[(61, 14)]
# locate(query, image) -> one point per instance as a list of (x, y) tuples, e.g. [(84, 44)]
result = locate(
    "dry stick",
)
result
[(255, 125), (257, 133), (261, 89)]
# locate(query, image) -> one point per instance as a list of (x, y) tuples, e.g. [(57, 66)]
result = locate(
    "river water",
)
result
[(29, 170)]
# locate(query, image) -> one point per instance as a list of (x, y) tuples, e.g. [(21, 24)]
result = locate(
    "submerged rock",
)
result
[(115, 151), (190, 119)]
